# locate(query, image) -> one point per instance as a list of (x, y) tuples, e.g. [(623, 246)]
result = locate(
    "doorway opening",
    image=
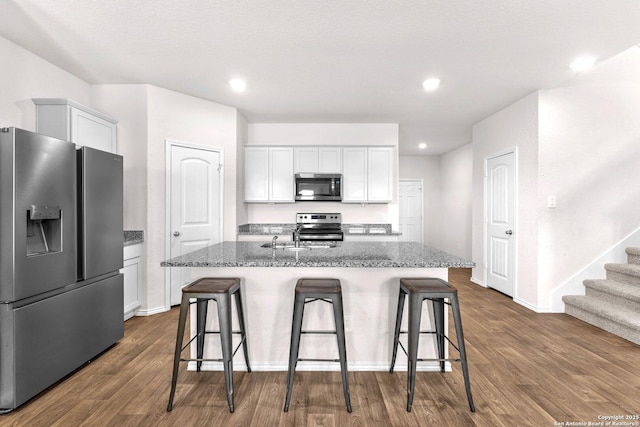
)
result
[(410, 202), (500, 222), (193, 207)]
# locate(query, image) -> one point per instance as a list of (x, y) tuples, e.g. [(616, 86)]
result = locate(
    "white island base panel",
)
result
[(370, 298)]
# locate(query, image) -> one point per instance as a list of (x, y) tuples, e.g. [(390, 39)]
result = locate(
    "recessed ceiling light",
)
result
[(583, 64), (422, 145), (238, 85), (431, 84)]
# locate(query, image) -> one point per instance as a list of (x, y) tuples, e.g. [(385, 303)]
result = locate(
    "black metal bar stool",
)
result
[(203, 290), (435, 290), (329, 291)]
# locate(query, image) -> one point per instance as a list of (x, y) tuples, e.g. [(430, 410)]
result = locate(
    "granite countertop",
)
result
[(369, 230), (345, 254), (261, 229), (133, 237)]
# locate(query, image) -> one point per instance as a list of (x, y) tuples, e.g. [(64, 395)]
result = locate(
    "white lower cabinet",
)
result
[(132, 271)]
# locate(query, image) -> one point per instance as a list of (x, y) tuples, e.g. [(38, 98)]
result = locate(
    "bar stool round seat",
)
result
[(435, 290), (329, 291), (203, 290)]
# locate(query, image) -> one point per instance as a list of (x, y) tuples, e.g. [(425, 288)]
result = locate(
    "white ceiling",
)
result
[(330, 60)]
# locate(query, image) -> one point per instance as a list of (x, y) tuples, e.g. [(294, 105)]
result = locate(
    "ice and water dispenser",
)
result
[(44, 230)]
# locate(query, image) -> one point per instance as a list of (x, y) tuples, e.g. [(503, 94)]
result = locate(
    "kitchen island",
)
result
[(369, 272)]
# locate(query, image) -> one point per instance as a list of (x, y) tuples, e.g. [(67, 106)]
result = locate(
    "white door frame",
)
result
[(421, 182), (169, 143), (485, 255)]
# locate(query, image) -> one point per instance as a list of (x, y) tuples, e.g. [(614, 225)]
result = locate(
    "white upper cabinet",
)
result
[(330, 159), (318, 159), (354, 176), (367, 172), (367, 175), (256, 174), (268, 174), (281, 177), (305, 159), (65, 119), (380, 174)]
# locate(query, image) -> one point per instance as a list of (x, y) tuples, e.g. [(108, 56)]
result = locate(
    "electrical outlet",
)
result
[(551, 201)]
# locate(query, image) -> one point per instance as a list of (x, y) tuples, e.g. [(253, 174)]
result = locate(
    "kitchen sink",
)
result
[(292, 247), (276, 246), (297, 249)]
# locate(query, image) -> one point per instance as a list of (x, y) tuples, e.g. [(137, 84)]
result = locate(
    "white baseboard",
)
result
[(152, 311), (477, 281), (319, 366), (533, 307)]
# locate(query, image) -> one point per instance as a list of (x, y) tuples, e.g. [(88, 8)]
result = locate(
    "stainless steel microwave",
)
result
[(318, 187)]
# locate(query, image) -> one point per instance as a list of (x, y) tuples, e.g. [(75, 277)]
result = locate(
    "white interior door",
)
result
[(410, 201), (195, 206), (500, 253)]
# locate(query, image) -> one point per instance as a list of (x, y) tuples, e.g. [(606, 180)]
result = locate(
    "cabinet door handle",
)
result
[(509, 232), (176, 233)]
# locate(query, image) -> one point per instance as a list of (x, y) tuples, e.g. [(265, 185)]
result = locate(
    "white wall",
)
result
[(325, 134), (175, 116), (148, 116), (514, 126), (426, 168), (589, 159), (270, 213), (128, 104), (242, 212), (23, 76), (456, 171), (580, 142)]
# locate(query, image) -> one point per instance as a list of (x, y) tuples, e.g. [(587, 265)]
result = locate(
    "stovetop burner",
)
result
[(319, 226)]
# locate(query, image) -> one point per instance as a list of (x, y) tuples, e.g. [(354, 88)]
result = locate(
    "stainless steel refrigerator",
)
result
[(61, 241)]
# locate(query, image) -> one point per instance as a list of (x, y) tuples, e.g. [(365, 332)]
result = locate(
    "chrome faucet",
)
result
[(273, 241)]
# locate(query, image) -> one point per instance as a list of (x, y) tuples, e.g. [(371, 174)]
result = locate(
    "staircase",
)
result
[(612, 304)]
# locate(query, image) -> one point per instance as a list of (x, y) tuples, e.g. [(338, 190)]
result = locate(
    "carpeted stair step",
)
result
[(624, 273), (620, 321), (623, 294), (633, 255)]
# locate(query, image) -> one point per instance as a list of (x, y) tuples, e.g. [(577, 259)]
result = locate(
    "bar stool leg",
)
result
[(396, 335), (438, 315), (415, 314), (298, 312), (243, 332), (224, 316), (184, 309), (201, 323), (342, 350), (463, 353)]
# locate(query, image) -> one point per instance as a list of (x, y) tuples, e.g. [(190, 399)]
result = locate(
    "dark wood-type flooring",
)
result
[(526, 369)]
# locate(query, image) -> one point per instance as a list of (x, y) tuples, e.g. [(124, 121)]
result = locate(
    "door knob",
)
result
[(509, 232), (176, 233)]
